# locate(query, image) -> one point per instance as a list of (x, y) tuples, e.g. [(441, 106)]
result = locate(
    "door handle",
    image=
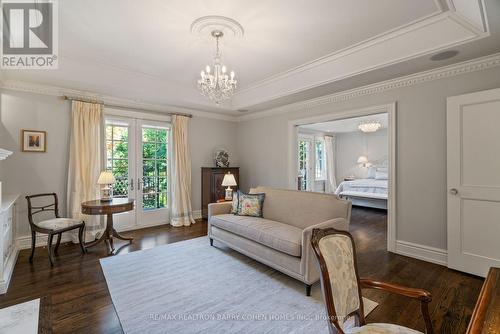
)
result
[(131, 184), (453, 191), (139, 183)]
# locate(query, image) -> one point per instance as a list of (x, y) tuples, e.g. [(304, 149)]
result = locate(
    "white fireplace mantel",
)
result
[(4, 154)]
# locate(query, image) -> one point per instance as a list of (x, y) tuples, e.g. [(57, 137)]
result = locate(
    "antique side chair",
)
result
[(52, 226), (341, 286)]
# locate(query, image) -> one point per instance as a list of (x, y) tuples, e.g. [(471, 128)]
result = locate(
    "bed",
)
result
[(370, 192)]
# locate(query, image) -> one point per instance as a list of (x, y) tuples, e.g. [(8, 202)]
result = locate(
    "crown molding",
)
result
[(469, 66), (35, 88), (450, 25)]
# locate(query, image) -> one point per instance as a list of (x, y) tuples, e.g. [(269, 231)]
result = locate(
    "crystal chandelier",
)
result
[(214, 82), (369, 126)]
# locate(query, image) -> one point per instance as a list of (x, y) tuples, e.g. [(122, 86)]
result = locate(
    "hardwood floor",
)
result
[(75, 298)]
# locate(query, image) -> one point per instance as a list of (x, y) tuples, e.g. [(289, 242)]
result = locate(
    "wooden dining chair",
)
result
[(53, 226), (341, 286)]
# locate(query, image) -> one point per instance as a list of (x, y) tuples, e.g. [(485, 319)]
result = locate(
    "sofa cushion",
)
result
[(302, 208), (282, 237)]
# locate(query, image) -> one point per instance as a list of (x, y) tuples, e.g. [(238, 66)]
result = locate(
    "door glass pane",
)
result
[(303, 164), (117, 157), (320, 160), (155, 164)]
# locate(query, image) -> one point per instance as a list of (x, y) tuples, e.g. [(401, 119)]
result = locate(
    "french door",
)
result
[(311, 162), (137, 152)]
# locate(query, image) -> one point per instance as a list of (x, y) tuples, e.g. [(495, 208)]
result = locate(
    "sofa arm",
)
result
[(222, 208), (308, 261)]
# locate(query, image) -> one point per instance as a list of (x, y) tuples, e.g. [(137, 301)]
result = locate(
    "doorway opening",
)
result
[(351, 155)]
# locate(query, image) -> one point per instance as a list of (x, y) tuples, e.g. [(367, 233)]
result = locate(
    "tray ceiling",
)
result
[(144, 50)]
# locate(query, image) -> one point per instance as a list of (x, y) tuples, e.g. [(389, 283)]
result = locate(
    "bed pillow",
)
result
[(250, 204), (236, 201), (371, 172), (381, 175)]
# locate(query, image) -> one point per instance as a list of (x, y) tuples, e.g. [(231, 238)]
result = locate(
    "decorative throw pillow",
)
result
[(381, 175), (234, 208), (250, 204), (371, 172)]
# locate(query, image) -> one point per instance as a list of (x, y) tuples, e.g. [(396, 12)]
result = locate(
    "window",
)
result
[(319, 147), (154, 163), (117, 156)]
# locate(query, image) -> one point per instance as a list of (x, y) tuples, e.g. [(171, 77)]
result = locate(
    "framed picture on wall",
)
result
[(33, 141)]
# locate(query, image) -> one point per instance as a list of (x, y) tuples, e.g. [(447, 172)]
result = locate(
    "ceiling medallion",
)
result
[(215, 83), (204, 26), (369, 126)]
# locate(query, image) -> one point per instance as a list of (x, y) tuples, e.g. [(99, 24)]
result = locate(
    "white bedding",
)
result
[(363, 188)]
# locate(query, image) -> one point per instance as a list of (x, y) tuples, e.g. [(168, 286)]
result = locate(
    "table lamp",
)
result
[(229, 181), (363, 160), (106, 179)]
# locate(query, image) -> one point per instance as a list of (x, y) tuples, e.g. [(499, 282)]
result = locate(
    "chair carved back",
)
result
[(36, 209), (340, 283)]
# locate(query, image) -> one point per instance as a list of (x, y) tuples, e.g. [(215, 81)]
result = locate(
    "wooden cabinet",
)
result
[(211, 185)]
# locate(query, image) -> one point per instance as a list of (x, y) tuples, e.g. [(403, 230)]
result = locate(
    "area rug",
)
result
[(190, 287), (20, 318)]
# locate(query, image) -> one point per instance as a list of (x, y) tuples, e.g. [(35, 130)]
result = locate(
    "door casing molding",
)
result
[(390, 109)]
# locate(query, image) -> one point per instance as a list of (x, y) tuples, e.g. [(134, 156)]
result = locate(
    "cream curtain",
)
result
[(85, 162), (331, 182), (181, 212)]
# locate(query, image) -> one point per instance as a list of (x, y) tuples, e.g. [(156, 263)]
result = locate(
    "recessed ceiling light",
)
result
[(444, 55)]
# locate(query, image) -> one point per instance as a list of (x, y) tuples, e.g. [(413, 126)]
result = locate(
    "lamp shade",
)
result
[(106, 178), (229, 180), (362, 160)]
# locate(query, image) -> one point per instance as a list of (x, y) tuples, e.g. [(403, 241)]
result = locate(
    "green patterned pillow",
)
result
[(250, 204), (234, 208)]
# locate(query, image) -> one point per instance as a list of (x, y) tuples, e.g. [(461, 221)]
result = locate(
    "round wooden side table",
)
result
[(98, 207)]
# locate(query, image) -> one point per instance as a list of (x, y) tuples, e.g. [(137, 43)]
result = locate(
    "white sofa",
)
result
[(280, 239)]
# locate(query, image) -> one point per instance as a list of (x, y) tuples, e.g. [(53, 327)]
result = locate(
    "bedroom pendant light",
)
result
[(369, 126), (215, 83)]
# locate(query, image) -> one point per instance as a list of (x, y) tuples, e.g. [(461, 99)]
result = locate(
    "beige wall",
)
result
[(29, 173), (352, 145), (421, 150)]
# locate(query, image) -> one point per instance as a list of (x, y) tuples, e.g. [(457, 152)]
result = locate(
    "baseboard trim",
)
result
[(24, 242), (422, 252)]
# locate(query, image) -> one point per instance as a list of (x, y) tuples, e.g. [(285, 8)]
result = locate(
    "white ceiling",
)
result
[(144, 50), (346, 125)]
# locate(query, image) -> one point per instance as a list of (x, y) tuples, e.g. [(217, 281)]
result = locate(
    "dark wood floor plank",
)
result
[(75, 298)]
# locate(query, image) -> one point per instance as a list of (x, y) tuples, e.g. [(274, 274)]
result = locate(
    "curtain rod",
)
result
[(64, 97)]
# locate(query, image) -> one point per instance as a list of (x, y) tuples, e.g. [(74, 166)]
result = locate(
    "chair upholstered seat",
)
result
[(378, 328), (58, 223)]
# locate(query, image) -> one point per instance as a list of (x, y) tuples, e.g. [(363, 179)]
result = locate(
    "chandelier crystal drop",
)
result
[(369, 126), (215, 83)]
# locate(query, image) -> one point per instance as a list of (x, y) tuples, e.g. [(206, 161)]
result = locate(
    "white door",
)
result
[(311, 162), (137, 152), (474, 181), (152, 173), (120, 160)]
